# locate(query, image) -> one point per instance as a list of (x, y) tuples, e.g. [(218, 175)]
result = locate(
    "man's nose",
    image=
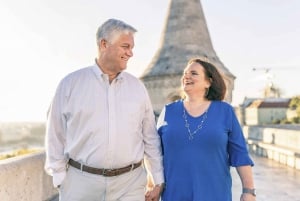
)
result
[(130, 52)]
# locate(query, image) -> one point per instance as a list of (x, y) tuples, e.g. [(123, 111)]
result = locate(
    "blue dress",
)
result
[(198, 169)]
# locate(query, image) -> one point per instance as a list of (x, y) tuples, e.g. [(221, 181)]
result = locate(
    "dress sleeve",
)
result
[(237, 147)]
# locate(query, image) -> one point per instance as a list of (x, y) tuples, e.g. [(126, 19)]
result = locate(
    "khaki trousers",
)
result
[(83, 186)]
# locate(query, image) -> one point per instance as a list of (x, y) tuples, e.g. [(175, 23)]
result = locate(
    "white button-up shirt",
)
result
[(101, 125)]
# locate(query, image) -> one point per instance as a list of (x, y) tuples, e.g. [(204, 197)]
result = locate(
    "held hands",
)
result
[(154, 193)]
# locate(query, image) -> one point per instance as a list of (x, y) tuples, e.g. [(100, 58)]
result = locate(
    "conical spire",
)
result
[(185, 36)]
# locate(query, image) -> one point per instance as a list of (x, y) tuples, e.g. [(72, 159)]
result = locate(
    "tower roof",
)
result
[(185, 36)]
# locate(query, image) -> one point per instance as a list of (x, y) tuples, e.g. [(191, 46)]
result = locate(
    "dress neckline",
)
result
[(198, 116)]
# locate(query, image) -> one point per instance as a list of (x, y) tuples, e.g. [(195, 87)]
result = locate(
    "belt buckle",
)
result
[(81, 167), (106, 171)]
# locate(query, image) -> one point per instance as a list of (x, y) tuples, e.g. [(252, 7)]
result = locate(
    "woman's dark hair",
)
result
[(217, 89)]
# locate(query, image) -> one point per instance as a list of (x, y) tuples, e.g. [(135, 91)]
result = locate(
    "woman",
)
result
[(201, 139)]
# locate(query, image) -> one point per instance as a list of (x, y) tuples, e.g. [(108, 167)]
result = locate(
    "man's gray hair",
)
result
[(113, 28)]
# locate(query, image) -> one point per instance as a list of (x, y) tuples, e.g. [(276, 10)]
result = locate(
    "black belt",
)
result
[(104, 172)]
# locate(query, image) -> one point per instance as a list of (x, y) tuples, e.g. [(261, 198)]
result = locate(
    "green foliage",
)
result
[(17, 153), (296, 120), (285, 121), (295, 104), (276, 121)]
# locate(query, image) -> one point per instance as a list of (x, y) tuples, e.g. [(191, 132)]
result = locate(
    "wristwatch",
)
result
[(249, 191)]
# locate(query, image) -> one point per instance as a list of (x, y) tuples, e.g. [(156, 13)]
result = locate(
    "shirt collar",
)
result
[(99, 73)]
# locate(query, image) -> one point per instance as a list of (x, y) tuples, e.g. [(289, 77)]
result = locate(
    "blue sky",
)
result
[(43, 40)]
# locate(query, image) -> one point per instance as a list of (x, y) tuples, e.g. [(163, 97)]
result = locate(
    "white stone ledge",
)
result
[(23, 178), (284, 155)]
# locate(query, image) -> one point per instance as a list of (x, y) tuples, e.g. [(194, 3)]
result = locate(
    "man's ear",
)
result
[(102, 43)]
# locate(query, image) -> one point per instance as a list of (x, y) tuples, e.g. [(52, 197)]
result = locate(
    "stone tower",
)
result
[(185, 36)]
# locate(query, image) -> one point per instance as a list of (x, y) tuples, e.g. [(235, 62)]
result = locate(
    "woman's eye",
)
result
[(190, 73)]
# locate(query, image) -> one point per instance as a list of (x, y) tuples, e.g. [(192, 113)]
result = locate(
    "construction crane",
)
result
[(264, 69), (270, 90)]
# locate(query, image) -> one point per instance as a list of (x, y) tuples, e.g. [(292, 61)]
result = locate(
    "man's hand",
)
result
[(154, 194)]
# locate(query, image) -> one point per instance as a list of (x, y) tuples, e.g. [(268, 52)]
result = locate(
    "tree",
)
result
[(295, 104)]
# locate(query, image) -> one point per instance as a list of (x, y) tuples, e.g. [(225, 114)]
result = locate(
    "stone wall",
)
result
[(279, 143), (23, 178)]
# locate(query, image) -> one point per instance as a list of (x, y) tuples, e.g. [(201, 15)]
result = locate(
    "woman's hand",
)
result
[(247, 197)]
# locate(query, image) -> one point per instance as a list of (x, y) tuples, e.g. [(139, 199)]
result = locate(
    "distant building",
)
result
[(240, 110), (266, 111)]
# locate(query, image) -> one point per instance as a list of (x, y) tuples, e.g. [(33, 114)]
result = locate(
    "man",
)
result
[(101, 126)]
